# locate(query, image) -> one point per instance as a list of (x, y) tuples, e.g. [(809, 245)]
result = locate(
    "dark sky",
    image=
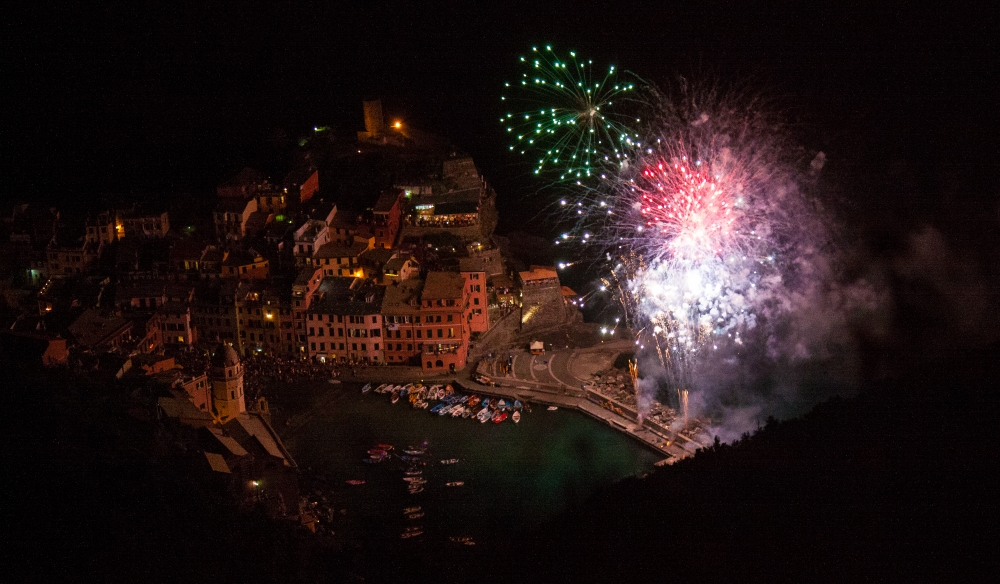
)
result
[(155, 96)]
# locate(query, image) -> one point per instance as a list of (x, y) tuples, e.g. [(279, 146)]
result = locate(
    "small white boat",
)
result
[(449, 461), (415, 509), (516, 417), (455, 484), (552, 408)]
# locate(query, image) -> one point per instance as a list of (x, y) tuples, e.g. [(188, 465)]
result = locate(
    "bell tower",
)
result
[(226, 376)]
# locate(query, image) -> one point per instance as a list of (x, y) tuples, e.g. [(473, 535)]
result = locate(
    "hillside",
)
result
[(897, 484)]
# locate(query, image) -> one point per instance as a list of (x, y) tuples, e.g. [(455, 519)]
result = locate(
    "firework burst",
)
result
[(695, 216), (700, 227), (571, 117)]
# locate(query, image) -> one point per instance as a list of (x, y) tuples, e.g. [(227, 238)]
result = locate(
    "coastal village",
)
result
[(371, 260)]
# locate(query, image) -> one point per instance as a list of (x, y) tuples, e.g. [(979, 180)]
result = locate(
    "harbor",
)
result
[(471, 479), (567, 384)]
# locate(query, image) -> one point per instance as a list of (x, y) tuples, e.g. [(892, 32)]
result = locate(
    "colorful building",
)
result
[(344, 321)]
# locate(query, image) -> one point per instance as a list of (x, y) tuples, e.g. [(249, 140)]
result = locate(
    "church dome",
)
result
[(225, 356)]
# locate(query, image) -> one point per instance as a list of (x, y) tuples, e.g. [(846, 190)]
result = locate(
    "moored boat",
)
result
[(355, 482), (516, 417), (395, 397), (414, 509), (449, 461), (366, 388), (455, 484), (552, 408), (500, 417)]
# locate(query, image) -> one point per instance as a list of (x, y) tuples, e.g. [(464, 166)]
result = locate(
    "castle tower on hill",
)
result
[(226, 376), (374, 122)]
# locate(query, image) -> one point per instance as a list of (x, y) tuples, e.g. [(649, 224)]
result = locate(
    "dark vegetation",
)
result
[(898, 484), (96, 489)]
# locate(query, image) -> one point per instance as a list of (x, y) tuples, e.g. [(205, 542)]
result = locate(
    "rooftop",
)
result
[(386, 201), (403, 298), (348, 296), (239, 257), (472, 264), (538, 273), (95, 327), (443, 285), (339, 250)]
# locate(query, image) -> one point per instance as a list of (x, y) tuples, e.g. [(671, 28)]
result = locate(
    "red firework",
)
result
[(688, 206)]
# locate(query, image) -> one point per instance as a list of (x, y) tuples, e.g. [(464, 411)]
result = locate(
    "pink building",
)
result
[(344, 322)]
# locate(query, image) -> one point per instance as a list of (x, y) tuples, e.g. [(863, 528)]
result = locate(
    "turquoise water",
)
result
[(515, 475)]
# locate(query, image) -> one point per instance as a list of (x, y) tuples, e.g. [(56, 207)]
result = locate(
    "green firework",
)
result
[(571, 118)]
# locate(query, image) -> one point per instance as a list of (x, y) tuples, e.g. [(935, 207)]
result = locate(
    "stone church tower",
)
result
[(225, 373)]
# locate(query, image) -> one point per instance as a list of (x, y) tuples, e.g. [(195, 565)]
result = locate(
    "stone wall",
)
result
[(542, 307)]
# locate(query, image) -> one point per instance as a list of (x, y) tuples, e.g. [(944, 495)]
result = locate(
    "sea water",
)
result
[(515, 475)]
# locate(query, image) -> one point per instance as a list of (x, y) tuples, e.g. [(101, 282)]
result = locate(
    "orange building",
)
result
[(344, 321), (476, 313), (425, 321)]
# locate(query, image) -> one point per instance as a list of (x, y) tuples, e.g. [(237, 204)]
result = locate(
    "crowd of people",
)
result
[(261, 371), (443, 221)]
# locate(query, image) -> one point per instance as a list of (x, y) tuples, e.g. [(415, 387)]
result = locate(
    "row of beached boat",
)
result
[(454, 404)]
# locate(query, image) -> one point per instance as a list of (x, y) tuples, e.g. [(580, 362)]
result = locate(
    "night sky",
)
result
[(155, 97)]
